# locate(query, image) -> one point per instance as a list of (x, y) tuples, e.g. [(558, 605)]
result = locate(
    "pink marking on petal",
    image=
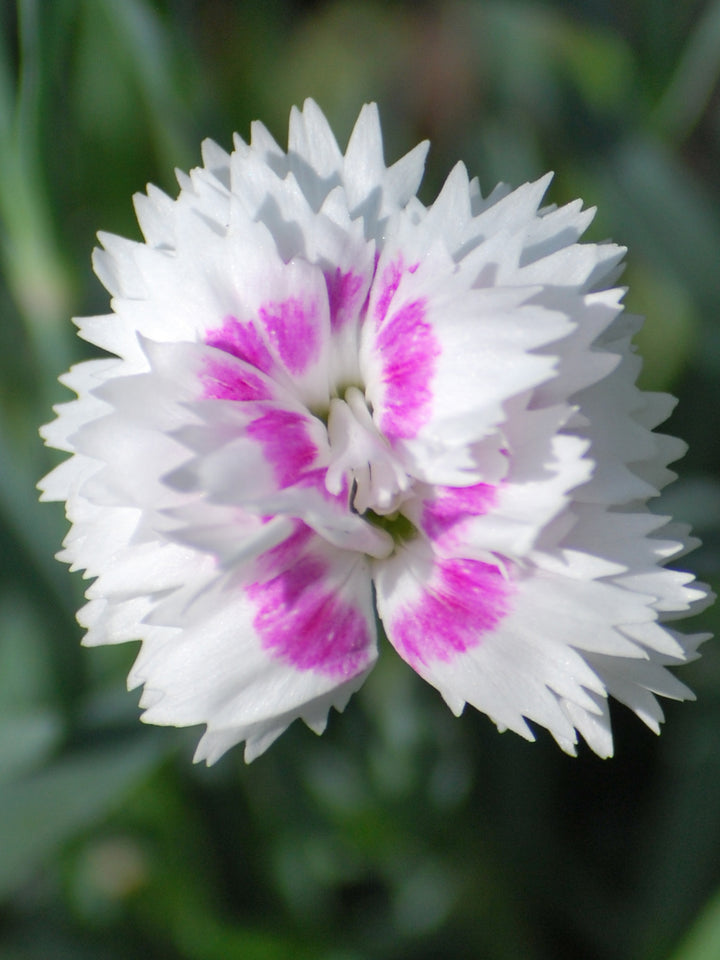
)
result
[(343, 290), (316, 480), (286, 444), (293, 328), (464, 600), (408, 349), (389, 282), (243, 341), (453, 505), (308, 626), (288, 552), (230, 381)]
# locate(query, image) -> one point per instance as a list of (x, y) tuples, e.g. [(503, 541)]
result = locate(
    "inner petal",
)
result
[(314, 607), (362, 458), (434, 610)]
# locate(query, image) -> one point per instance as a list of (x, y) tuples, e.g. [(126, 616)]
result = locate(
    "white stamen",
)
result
[(363, 457)]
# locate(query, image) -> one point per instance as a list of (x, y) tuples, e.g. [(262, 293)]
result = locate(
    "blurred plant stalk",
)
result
[(39, 281), (41, 285)]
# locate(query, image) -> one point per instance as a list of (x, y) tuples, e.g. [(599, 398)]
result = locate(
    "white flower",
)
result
[(327, 399)]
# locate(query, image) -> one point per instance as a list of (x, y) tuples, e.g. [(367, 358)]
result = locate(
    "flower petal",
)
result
[(520, 648), (251, 657), (320, 382)]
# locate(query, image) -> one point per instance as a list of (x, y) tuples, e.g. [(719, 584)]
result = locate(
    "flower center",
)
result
[(400, 527), (363, 458)]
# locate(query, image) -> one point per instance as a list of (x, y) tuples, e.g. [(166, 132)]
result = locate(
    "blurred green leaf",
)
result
[(695, 78), (37, 528), (655, 205), (600, 62), (34, 265), (28, 737), (669, 334), (26, 676), (44, 810), (326, 58), (143, 62), (703, 941)]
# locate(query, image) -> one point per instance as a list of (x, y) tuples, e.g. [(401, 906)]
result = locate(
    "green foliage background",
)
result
[(403, 833)]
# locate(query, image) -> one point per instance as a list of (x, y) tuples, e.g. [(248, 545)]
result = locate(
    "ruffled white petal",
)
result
[(534, 646), (319, 383), (249, 656)]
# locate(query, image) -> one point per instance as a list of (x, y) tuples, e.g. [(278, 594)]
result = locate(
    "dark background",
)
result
[(402, 833)]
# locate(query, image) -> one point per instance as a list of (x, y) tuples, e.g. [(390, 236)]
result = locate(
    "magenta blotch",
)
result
[(307, 625), (453, 505), (286, 444), (464, 600), (287, 553), (227, 380), (315, 480), (389, 282), (243, 341), (344, 289), (408, 350), (292, 327)]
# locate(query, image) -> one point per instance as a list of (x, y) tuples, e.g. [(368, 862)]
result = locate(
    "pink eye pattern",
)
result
[(328, 409)]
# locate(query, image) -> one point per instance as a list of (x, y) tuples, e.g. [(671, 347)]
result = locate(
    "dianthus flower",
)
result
[(329, 404)]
